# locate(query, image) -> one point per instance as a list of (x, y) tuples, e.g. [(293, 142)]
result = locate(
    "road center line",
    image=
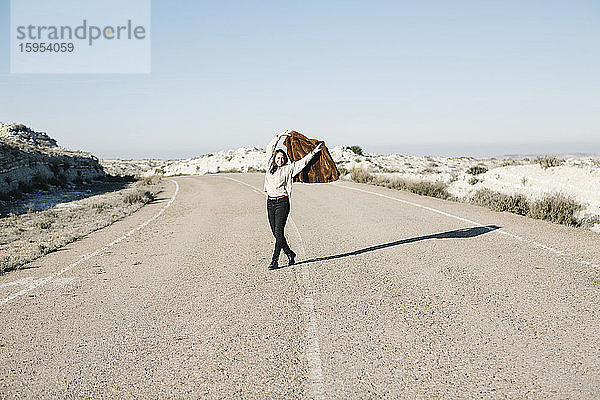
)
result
[(313, 350), (499, 231), (43, 281)]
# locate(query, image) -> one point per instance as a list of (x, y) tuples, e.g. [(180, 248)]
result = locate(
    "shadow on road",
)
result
[(464, 233), (157, 200)]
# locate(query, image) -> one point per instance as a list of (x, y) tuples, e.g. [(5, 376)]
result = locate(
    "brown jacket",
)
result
[(321, 169)]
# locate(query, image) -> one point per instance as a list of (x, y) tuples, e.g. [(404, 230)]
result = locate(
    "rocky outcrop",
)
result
[(31, 159)]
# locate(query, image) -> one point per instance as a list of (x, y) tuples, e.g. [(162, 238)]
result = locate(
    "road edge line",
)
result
[(41, 282), (533, 243)]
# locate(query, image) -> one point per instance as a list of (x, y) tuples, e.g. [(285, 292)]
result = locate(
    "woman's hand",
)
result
[(317, 149)]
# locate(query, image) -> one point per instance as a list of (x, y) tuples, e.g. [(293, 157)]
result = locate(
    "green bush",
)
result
[(477, 169), (357, 150)]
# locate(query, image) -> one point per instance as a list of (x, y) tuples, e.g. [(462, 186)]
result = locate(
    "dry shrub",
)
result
[(44, 224), (361, 175), (252, 169), (432, 189), (150, 180), (589, 221), (342, 170), (554, 207), (497, 201), (138, 196), (28, 236), (424, 188), (548, 161), (429, 170), (557, 208)]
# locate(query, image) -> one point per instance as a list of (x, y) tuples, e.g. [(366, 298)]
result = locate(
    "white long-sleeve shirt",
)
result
[(280, 182)]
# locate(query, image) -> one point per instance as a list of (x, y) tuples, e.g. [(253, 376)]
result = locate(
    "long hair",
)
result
[(274, 166)]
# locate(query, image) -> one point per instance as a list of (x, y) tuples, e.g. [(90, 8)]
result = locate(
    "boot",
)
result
[(291, 257)]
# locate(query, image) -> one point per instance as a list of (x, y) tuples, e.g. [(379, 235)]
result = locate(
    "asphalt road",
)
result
[(395, 296)]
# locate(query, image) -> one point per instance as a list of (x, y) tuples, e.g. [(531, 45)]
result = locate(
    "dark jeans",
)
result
[(278, 211)]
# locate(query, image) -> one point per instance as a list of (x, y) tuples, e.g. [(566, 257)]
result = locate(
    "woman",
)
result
[(278, 186)]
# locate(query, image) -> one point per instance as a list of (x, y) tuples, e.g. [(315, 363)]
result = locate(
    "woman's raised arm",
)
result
[(271, 147), (299, 165)]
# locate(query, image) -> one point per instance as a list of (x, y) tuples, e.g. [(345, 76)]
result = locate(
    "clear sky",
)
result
[(415, 77)]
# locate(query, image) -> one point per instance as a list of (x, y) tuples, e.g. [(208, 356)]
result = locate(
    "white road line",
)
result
[(31, 280), (313, 350), (43, 281), (256, 190), (62, 281), (20, 282), (499, 231)]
